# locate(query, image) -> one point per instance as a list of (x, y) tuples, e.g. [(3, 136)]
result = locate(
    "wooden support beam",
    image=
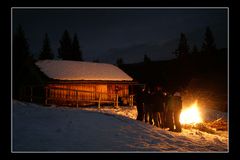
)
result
[(99, 101), (46, 94), (116, 100), (77, 98)]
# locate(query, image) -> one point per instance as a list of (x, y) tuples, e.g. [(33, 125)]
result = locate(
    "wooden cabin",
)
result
[(78, 83)]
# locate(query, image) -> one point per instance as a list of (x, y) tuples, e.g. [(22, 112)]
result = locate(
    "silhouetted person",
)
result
[(174, 107), (158, 107), (169, 112), (164, 113), (177, 111), (155, 110), (148, 105), (139, 98)]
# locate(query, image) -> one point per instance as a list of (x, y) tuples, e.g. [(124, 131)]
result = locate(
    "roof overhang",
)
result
[(54, 81)]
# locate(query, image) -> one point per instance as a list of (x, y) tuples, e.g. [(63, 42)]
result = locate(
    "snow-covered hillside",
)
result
[(40, 128)]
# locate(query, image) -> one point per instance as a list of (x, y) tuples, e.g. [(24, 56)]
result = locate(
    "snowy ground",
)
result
[(40, 128)]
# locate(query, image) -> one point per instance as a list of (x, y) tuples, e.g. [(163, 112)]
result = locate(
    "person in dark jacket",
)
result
[(148, 105), (177, 111), (168, 113), (174, 107), (139, 98), (158, 109)]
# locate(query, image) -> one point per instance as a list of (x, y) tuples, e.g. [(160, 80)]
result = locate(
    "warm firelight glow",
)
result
[(190, 115)]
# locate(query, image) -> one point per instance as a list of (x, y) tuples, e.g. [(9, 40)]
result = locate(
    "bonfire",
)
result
[(191, 117)]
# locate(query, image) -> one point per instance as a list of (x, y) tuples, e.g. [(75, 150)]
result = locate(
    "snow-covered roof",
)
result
[(78, 70)]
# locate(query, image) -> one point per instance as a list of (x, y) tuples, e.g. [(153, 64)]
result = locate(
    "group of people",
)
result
[(159, 108)]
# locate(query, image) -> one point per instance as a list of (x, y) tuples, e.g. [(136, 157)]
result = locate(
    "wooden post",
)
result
[(77, 98), (131, 100), (117, 100), (46, 95), (99, 101)]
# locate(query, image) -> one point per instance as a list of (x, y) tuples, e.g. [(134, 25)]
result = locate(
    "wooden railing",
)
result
[(81, 98), (72, 97)]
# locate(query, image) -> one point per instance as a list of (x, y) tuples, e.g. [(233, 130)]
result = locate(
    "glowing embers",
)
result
[(190, 115)]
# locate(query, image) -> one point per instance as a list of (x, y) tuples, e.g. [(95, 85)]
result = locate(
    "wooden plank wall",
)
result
[(86, 93)]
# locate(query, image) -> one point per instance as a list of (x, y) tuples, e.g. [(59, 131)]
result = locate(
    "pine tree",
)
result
[(65, 50), (195, 50), (119, 61), (146, 59), (183, 48), (20, 46), (20, 55), (23, 64), (77, 53), (46, 52), (209, 45)]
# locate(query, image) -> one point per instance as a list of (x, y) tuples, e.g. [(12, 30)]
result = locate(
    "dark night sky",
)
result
[(99, 30)]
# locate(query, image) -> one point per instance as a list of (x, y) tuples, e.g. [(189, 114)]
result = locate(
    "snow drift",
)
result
[(38, 128)]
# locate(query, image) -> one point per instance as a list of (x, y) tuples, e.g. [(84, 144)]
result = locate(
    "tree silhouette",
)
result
[(194, 50), (65, 49), (183, 48), (20, 56), (23, 64), (77, 53), (208, 45), (46, 52), (20, 46), (119, 61), (146, 59)]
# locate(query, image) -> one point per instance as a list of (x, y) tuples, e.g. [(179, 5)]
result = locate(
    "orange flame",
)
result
[(191, 115)]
